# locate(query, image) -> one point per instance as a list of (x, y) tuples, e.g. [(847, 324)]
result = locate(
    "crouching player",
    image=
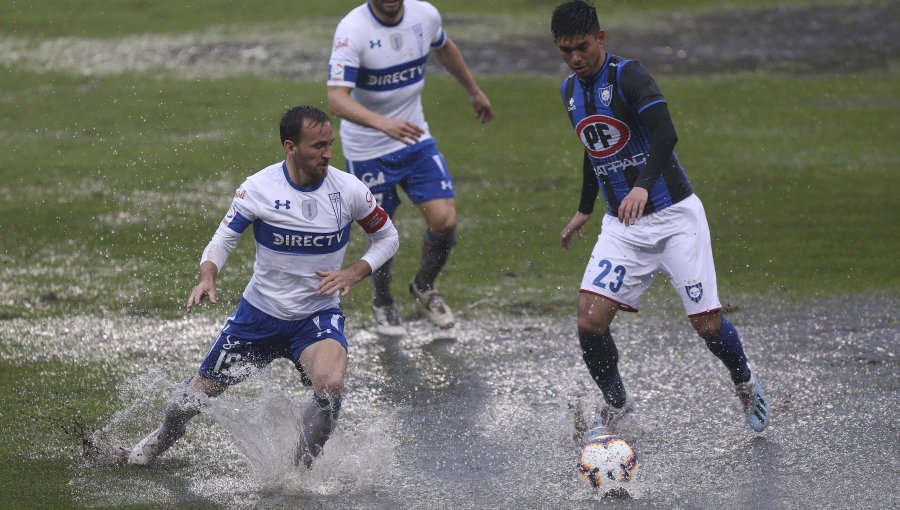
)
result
[(301, 210)]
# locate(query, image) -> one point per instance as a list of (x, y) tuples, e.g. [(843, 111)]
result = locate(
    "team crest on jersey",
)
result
[(336, 206), (310, 209), (695, 291), (603, 136), (420, 35), (397, 42), (605, 94)]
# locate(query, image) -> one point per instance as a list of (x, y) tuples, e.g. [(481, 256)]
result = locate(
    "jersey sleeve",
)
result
[(639, 88), (240, 215), (343, 65), (438, 37), (383, 236), (365, 210)]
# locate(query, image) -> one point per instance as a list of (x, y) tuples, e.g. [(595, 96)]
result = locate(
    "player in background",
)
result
[(375, 79), (654, 223), (301, 210)]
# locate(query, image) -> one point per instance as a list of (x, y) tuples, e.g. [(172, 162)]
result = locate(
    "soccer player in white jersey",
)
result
[(301, 210), (375, 79)]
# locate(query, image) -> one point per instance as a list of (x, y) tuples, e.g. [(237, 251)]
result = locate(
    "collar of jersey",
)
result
[(296, 186), (599, 72), (382, 22)]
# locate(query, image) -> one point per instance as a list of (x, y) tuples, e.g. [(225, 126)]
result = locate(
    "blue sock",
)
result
[(726, 345), (602, 359)]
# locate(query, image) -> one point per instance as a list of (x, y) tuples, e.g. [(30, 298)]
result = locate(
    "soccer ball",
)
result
[(607, 459)]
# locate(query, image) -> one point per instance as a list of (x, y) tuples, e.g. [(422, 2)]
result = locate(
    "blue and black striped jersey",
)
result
[(606, 114)]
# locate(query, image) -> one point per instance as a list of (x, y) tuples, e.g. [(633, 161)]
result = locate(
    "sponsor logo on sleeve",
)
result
[(232, 212), (336, 72)]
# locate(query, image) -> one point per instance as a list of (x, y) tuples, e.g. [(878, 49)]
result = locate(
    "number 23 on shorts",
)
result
[(605, 268)]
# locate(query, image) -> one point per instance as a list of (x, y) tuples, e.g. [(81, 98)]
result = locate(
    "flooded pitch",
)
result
[(486, 417)]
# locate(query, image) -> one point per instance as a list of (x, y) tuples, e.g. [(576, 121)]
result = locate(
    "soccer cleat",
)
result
[(146, 451), (608, 419), (387, 321), (435, 307), (151, 447), (754, 403)]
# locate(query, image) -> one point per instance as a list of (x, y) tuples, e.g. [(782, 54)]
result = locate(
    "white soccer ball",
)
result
[(607, 459)]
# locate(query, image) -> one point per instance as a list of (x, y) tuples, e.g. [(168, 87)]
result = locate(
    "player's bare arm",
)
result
[(206, 285), (574, 227), (344, 279), (451, 58), (632, 207), (341, 104)]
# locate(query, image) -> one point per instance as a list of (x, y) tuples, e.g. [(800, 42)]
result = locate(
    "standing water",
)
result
[(489, 416)]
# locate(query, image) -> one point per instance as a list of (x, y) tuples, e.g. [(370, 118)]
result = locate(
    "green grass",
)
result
[(112, 18), (110, 187), (36, 455), (123, 179)]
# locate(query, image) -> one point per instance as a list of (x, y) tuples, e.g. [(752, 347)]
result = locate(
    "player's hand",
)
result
[(401, 129), (340, 281), (632, 207), (204, 288), (482, 106), (574, 227)]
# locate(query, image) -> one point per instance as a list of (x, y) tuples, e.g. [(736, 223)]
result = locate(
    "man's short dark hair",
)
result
[(575, 18), (294, 118)]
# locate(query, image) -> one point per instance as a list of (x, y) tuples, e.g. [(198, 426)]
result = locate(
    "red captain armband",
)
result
[(374, 221)]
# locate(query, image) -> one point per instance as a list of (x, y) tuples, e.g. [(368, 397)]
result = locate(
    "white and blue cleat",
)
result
[(754, 403)]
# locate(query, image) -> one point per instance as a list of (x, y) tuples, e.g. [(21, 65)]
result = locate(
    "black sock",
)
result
[(435, 252), (319, 420), (602, 359), (381, 284)]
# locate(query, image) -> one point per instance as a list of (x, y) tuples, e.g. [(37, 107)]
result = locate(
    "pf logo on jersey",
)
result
[(602, 136)]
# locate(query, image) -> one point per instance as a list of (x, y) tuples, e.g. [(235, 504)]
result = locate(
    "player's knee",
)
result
[(443, 228), (330, 386), (591, 325), (707, 325)]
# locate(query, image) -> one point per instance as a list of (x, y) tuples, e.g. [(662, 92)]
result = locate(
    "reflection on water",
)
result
[(487, 417)]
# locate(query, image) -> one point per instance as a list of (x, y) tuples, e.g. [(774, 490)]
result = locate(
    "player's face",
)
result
[(313, 153), (388, 10), (583, 54)]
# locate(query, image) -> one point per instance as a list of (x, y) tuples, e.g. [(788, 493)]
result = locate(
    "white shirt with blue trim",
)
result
[(385, 67), (299, 230)]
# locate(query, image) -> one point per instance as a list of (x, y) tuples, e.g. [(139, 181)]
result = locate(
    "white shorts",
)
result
[(674, 241)]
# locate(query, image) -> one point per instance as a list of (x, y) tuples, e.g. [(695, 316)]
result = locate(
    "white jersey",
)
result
[(385, 67), (298, 230)]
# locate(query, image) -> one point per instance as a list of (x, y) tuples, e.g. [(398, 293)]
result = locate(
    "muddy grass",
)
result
[(805, 39)]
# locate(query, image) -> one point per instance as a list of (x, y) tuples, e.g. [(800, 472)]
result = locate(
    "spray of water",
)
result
[(242, 445)]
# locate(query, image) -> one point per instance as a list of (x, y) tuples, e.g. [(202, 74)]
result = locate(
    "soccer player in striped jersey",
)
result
[(654, 223), (375, 80), (301, 210)]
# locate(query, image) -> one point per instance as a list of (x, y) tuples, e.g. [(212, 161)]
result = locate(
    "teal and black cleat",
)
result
[(754, 403)]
